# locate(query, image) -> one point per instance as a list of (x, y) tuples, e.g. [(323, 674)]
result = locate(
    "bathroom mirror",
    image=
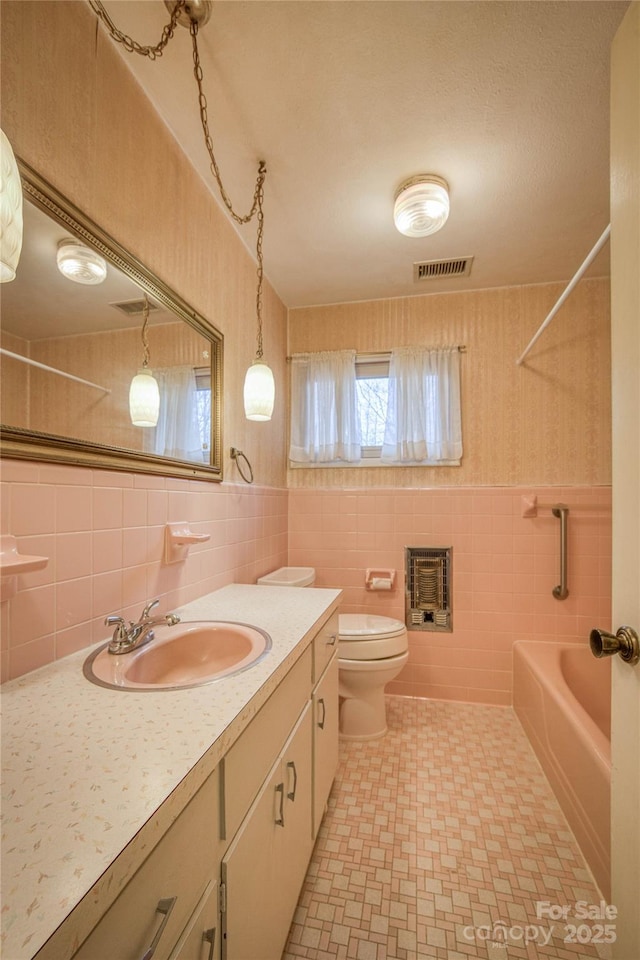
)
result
[(70, 350)]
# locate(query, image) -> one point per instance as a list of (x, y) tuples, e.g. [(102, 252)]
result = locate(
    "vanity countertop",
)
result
[(85, 768)]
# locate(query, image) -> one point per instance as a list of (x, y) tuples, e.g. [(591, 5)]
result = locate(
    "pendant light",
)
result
[(144, 395), (421, 205), (10, 211), (259, 385)]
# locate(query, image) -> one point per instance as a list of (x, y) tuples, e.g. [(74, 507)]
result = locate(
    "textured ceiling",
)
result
[(344, 100)]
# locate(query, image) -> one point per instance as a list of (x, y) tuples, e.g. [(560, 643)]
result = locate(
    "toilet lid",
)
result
[(365, 626)]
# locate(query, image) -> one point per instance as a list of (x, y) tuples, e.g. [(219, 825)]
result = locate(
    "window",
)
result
[(372, 394), (397, 409), (203, 405)]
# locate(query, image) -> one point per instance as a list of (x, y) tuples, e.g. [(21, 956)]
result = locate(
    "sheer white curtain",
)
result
[(177, 433), (423, 415), (325, 426)]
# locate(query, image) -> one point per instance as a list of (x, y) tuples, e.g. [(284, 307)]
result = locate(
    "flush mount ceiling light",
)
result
[(421, 205), (144, 394), (259, 386), (10, 211), (80, 263)]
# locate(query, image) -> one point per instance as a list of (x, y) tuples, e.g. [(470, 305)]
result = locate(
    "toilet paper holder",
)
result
[(380, 579)]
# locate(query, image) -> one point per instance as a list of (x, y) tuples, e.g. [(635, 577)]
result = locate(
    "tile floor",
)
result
[(438, 839)]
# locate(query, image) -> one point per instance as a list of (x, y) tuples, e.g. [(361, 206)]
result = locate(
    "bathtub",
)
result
[(562, 696)]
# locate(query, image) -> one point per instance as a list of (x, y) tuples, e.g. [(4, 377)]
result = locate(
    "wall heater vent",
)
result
[(435, 269), (428, 588)]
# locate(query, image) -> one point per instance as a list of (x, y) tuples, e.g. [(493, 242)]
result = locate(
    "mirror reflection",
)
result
[(80, 338)]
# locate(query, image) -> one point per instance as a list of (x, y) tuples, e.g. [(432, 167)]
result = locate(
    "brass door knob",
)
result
[(625, 642)]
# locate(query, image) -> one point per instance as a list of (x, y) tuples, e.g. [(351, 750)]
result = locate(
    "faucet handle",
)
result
[(147, 610), (114, 621)]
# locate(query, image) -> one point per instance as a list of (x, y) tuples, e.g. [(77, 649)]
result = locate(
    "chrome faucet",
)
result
[(128, 638)]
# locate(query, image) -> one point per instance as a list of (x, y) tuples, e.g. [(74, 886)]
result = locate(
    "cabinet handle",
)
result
[(331, 641), (321, 703), (165, 907), (209, 936), (292, 793), (280, 790)]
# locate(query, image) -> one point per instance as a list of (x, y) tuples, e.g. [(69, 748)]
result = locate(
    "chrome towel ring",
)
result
[(246, 471)]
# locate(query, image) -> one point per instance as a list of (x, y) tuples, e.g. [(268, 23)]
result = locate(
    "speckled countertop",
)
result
[(85, 768)]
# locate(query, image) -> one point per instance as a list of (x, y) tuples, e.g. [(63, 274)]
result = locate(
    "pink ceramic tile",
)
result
[(74, 639), (30, 656), (107, 550), (107, 508), (31, 615), (107, 596), (74, 555), (32, 509), (134, 508), (73, 602), (74, 511)]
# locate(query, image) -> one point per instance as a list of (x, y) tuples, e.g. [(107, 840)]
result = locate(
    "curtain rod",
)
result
[(43, 366), (591, 257), (460, 347)]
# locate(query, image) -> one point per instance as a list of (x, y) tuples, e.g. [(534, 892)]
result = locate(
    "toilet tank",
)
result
[(289, 577)]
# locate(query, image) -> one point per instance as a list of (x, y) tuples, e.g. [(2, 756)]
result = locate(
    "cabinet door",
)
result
[(265, 865), (325, 740)]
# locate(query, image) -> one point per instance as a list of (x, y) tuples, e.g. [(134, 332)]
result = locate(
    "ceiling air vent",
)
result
[(438, 269), (133, 308)]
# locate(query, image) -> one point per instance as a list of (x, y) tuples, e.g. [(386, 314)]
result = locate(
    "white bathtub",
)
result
[(562, 696)]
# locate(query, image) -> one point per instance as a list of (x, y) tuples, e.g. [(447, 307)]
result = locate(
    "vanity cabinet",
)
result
[(264, 868), (222, 883), (174, 891)]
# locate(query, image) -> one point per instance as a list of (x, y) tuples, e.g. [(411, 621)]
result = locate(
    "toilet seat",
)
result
[(364, 636)]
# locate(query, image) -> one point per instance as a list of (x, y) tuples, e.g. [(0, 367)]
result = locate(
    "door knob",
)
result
[(625, 642)]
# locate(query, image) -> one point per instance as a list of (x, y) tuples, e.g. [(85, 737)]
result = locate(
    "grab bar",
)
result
[(561, 510)]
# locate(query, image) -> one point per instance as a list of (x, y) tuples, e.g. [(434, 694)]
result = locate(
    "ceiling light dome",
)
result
[(80, 263), (421, 205)]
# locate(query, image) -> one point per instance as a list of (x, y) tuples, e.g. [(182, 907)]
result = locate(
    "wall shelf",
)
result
[(13, 563)]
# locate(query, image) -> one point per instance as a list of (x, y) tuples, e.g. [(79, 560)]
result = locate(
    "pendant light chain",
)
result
[(145, 339), (128, 42), (258, 195)]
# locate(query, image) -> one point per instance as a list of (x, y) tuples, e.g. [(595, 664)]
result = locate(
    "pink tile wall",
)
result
[(104, 535), (504, 569)]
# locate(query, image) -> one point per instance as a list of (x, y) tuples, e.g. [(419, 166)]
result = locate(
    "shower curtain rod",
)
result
[(594, 253), (43, 366)]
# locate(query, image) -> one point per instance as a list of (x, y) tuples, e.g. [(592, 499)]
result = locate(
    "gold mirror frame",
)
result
[(32, 445)]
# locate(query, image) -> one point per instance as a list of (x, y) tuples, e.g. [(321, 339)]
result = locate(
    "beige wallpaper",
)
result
[(109, 359), (94, 135), (14, 382), (547, 421)]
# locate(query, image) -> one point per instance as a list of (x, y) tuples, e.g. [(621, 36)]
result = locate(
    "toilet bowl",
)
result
[(372, 650)]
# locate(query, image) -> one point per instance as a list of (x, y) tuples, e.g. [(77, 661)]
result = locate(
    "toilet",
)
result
[(372, 650)]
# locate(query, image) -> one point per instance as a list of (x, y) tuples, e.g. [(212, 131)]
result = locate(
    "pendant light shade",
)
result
[(421, 205), (259, 391), (80, 263), (144, 399), (10, 211)]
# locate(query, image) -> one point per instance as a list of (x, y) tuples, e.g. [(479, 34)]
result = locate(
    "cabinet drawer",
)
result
[(251, 757), (325, 644), (179, 867)]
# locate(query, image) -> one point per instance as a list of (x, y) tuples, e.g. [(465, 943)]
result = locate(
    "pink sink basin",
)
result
[(185, 655)]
